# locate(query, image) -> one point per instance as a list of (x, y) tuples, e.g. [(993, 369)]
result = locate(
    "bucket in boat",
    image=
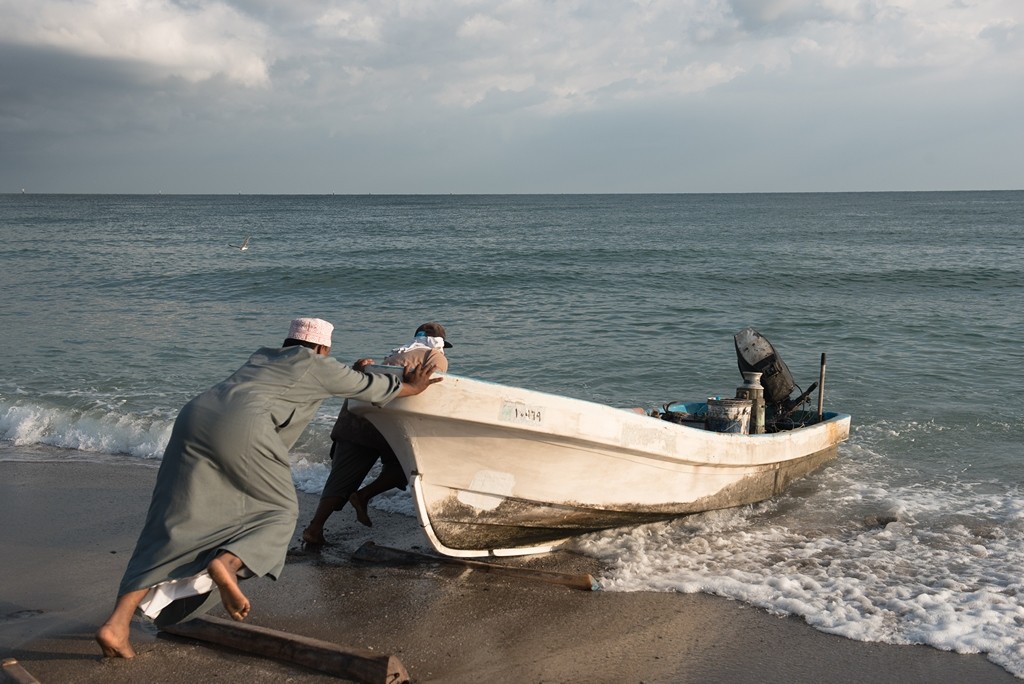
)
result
[(729, 415)]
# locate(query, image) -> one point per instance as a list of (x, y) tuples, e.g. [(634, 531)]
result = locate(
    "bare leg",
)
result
[(314, 532), (359, 505), (112, 636), (224, 571), (385, 481)]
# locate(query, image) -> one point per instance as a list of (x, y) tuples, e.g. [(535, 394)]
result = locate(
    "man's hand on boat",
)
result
[(361, 364), (417, 379)]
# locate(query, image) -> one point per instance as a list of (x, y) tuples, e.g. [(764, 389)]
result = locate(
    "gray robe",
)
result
[(225, 481)]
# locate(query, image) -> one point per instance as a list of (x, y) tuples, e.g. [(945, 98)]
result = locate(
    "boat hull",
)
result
[(500, 470)]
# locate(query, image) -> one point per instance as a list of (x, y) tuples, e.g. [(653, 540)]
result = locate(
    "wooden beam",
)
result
[(356, 664), (14, 673), (373, 553)]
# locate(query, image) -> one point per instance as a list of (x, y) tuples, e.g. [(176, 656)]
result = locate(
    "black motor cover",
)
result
[(755, 353)]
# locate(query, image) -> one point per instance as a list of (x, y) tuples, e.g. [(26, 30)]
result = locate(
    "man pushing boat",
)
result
[(224, 505), (356, 444)]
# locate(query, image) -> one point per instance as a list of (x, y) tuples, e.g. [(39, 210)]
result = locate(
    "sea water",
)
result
[(117, 309)]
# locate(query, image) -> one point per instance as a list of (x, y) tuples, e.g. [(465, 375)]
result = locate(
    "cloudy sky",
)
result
[(510, 96)]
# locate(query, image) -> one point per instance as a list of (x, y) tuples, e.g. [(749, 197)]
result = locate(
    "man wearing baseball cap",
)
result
[(356, 444)]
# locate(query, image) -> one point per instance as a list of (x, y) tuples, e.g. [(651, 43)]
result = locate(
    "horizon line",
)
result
[(501, 194)]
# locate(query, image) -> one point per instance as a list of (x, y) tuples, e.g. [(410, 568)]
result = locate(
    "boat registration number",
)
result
[(515, 412)]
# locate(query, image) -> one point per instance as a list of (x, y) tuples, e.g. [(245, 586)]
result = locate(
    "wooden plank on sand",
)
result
[(351, 663), (14, 673)]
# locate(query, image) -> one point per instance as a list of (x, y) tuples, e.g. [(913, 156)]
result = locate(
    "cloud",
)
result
[(193, 41), (407, 87), (349, 23), (578, 55)]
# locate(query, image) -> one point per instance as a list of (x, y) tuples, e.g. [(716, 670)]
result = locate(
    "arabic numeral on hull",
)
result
[(520, 413)]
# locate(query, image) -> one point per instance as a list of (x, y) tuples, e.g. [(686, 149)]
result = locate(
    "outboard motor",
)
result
[(755, 354)]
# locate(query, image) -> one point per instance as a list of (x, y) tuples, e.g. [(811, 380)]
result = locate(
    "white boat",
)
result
[(500, 471)]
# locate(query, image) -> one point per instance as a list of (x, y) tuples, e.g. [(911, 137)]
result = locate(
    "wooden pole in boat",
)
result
[(354, 664), (821, 388), (14, 673), (373, 553)]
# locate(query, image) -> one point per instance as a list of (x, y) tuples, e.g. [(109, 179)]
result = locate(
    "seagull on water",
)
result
[(244, 246)]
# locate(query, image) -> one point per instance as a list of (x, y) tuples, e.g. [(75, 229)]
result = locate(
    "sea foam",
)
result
[(917, 575), (99, 432)]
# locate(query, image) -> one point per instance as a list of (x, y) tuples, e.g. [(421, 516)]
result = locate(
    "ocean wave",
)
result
[(93, 431), (931, 562)]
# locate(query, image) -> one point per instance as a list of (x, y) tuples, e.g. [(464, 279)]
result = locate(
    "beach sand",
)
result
[(67, 530)]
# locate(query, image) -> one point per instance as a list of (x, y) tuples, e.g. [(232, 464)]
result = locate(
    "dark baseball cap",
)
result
[(434, 330)]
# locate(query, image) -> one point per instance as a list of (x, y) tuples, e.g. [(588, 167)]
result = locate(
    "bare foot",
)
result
[(314, 537), (359, 504), (113, 640), (231, 596)]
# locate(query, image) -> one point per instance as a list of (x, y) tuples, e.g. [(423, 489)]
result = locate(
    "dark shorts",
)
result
[(351, 462)]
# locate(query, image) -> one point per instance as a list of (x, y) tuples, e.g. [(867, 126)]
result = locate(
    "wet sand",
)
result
[(67, 530)]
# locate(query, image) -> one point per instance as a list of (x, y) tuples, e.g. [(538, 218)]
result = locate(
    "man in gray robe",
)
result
[(224, 505)]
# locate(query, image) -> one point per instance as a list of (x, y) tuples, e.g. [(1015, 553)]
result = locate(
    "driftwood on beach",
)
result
[(372, 553), (351, 663)]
